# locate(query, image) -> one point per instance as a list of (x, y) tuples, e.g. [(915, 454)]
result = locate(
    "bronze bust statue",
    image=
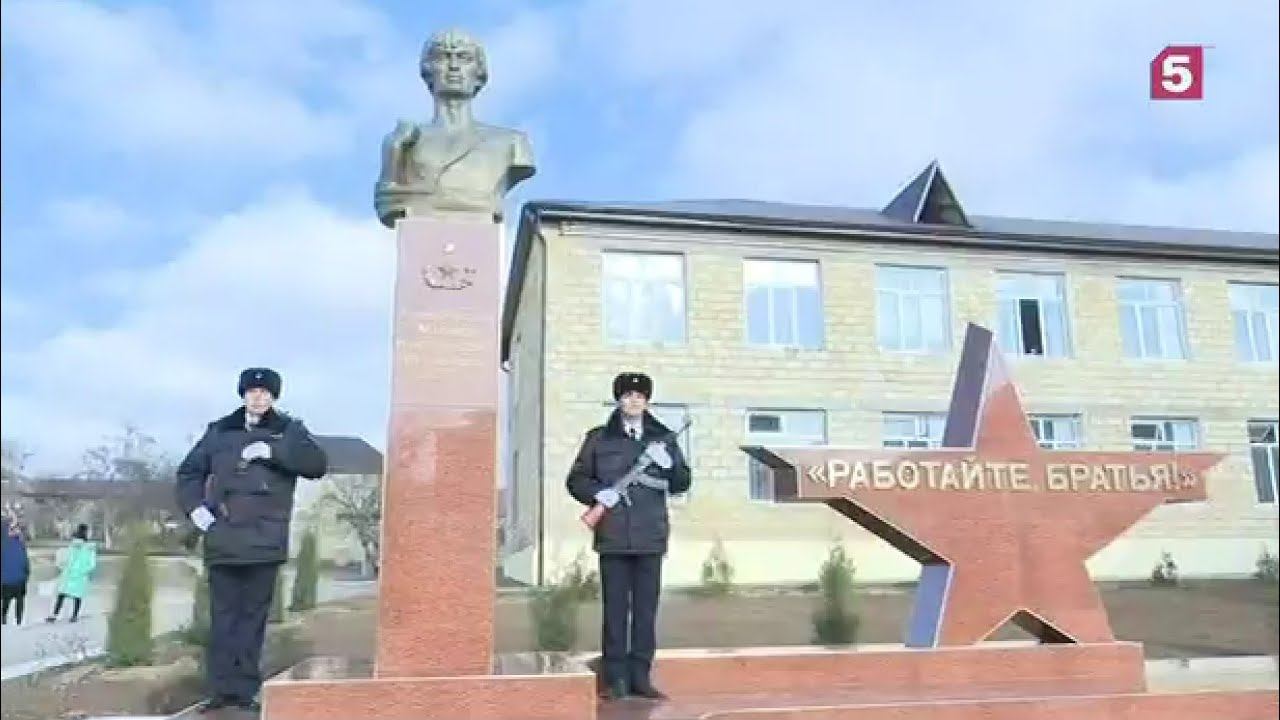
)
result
[(452, 163)]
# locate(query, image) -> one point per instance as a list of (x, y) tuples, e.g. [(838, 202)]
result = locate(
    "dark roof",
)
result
[(350, 455), (927, 199), (924, 211)]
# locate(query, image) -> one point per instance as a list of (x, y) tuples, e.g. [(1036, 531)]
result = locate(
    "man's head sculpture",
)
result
[(453, 64)]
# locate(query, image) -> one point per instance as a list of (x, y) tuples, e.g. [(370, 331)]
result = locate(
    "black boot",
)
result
[(645, 689), (616, 690), (217, 702)]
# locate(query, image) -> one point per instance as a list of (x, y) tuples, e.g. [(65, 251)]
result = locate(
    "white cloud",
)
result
[(1033, 109), (91, 221), (286, 282), (267, 83), (139, 78)]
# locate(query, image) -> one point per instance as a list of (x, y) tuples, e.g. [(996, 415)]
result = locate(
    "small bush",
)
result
[(277, 599), (197, 632), (307, 578), (1268, 566), (836, 621), (129, 639), (583, 583), (717, 571), (1165, 573), (554, 611)]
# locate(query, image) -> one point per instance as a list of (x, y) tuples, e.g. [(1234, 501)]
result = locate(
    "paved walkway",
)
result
[(36, 645)]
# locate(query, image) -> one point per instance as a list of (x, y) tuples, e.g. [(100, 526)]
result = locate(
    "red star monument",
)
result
[(1001, 527)]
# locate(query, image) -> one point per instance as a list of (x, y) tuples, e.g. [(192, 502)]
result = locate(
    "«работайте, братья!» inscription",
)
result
[(973, 474)]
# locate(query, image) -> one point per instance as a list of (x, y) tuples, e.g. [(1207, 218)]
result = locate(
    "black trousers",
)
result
[(16, 594), (75, 606), (239, 602), (629, 587)]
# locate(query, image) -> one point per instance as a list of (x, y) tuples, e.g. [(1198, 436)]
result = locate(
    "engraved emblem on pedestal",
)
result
[(446, 276)]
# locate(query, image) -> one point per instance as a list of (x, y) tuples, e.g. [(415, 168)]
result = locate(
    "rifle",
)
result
[(634, 476)]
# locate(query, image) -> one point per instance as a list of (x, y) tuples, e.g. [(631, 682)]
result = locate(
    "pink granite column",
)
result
[(435, 615)]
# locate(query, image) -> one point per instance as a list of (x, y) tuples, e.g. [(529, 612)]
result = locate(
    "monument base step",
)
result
[(992, 681), (1207, 705)]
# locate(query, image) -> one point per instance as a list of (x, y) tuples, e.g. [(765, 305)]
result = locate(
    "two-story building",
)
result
[(770, 323)]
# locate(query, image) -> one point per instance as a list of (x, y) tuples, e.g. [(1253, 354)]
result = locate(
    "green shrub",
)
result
[(584, 584), (836, 621), (1268, 566), (277, 599), (129, 639), (717, 571), (1165, 572), (197, 632), (554, 611), (307, 578)]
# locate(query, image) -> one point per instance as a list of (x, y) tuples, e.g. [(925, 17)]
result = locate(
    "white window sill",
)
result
[(917, 353)]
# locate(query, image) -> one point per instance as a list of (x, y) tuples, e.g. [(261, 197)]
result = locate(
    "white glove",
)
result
[(202, 518), (608, 497), (254, 451), (658, 453)]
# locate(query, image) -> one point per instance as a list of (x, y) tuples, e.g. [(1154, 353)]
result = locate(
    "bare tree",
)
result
[(356, 501), (132, 456), (14, 460)]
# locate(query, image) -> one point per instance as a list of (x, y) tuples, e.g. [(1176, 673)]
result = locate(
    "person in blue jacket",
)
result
[(15, 569)]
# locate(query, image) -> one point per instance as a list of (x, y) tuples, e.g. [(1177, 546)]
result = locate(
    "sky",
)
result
[(187, 187)]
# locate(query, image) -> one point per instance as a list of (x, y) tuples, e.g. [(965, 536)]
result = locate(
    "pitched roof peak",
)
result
[(927, 199)]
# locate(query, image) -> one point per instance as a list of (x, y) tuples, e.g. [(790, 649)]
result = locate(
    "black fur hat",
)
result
[(629, 381), (261, 377)]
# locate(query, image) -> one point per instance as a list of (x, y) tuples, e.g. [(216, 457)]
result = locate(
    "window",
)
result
[(913, 430), (1151, 320), (1033, 315), (643, 298), (1266, 458), (784, 303), (779, 427), (1164, 434), (911, 309), (1255, 308), (1056, 432)]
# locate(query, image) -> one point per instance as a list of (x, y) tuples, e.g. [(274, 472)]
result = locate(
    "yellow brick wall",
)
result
[(520, 551), (719, 378)]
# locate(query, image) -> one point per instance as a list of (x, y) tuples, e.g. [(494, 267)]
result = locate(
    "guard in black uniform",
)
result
[(237, 486), (631, 538)]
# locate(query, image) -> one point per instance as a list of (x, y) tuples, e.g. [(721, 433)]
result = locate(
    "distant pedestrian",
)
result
[(15, 569), (77, 562)]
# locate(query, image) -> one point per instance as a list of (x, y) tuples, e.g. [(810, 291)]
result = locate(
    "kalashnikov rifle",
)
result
[(634, 476)]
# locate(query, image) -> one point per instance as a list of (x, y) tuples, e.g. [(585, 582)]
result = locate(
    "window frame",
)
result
[(1272, 322), (1077, 422), (750, 438), (822, 311), (1068, 339), (1273, 458), (1163, 419), (1179, 305), (918, 417), (683, 313), (944, 293)]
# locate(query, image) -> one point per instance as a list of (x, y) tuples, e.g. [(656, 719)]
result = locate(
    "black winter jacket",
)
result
[(252, 502), (607, 453)]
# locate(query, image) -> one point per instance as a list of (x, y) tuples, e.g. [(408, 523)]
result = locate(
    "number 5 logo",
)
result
[(1177, 73)]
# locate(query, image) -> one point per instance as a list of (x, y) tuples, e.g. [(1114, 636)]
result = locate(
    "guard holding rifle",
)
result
[(623, 473)]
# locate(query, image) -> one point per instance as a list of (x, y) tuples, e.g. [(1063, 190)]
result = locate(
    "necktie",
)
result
[(635, 433)]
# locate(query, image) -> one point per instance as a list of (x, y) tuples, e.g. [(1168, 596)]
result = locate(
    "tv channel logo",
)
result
[(1177, 73)]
